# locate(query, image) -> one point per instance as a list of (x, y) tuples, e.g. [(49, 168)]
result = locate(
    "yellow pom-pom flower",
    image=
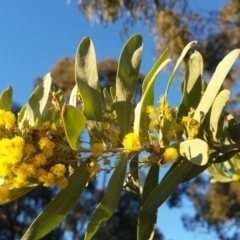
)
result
[(25, 170), (171, 136), (235, 177), (106, 161), (62, 182), (93, 166), (7, 119), (97, 149), (47, 179), (48, 152), (45, 142), (151, 111), (12, 149), (29, 149), (19, 181), (39, 159), (131, 141), (58, 170), (40, 172), (5, 168), (22, 172), (170, 155), (47, 146), (154, 124)]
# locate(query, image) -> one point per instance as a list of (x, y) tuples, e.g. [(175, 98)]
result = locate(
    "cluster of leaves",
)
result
[(196, 135), (16, 216), (29, 148), (174, 23), (63, 76)]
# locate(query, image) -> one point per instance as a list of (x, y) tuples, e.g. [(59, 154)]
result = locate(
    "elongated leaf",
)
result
[(229, 165), (132, 182), (195, 150), (223, 135), (6, 99), (166, 187), (183, 106), (234, 130), (215, 84), (225, 157), (141, 117), (126, 81), (217, 114), (61, 204), (195, 69), (154, 72), (193, 85), (53, 116), (236, 162), (196, 169), (216, 171), (147, 221), (21, 114), (73, 122), (108, 98), (73, 96), (88, 85), (183, 54), (113, 93), (37, 101), (16, 193), (110, 201)]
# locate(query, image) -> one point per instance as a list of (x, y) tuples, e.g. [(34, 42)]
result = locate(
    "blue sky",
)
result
[(35, 34)]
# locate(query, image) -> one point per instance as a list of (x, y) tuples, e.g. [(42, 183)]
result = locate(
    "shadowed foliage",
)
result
[(16, 216), (175, 23)]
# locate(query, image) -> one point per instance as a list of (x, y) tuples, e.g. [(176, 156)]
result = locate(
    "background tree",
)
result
[(219, 205), (15, 217), (173, 24)]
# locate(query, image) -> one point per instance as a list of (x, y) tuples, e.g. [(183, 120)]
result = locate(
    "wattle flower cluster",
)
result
[(25, 158), (165, 133)]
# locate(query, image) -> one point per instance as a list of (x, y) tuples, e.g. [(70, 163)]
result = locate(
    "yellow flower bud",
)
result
[(170, 155), (131, 141), (62, 182), (97, 149)]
